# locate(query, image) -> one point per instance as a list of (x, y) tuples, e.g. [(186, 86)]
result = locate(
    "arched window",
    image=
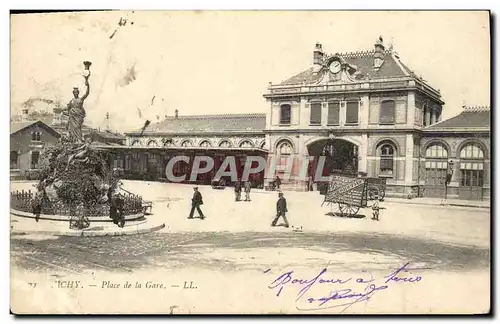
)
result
[(246, 144), (284, 148), (14, 160), (387, 112), (285, 114), (152, 143), (167, 142), (225, 143), (186, 143), (387, 153), (472, 151), (136, 143), (471, 166), (205, 143), (436, 151), (436, 164)]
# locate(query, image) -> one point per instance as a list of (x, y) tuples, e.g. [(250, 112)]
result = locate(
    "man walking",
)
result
[(248, 187), (237, 191), (281, 209), (196, 202), (277, 182)]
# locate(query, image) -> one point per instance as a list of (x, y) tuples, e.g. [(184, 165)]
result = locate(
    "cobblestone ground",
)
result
[(236, 244)]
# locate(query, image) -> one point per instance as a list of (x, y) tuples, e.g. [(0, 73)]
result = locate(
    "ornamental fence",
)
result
[(25, 200)]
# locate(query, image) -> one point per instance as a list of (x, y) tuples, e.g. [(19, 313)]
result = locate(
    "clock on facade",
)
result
[(335, 67)]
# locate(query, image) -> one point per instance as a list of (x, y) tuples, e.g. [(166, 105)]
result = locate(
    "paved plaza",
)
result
[(235, 243)]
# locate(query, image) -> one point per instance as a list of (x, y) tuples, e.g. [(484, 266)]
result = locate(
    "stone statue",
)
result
[(76, 112)]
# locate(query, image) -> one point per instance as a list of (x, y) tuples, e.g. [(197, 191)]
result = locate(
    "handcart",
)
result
[(350, 193)]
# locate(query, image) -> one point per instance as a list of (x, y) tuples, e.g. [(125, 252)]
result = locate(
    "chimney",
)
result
[(176, 113), (24, 114), (318, 56), (378, 59)]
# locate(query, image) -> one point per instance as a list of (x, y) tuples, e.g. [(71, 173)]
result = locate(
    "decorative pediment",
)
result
[(337, 70)]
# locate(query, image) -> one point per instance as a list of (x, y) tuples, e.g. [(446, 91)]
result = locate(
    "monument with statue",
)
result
[(76, 182)]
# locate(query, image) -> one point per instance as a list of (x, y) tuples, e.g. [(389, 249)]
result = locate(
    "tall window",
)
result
[(315, 118), (333, 113), (387, 112), (471, 166), (436, 164), (285, 114), (246, 144), (387, 160), (225, 144), (34, 159), (36, 136), (205, 144), (14, 160), (351, 112), (284, 150)]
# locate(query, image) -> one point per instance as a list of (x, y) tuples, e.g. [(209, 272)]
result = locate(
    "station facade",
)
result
[(365, 112)]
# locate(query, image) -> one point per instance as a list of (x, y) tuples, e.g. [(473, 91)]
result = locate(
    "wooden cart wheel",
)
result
[(372, 191), (348, 210)]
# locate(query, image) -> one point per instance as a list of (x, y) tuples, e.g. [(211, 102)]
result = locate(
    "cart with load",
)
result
[(350, 193)]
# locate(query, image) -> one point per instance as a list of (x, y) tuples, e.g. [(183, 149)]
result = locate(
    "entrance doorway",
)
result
[(340, 156)]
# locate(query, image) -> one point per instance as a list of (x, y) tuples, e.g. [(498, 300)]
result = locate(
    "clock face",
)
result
[(335, 67)]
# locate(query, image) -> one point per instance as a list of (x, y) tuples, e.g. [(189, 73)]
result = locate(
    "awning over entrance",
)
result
[(181, 149)]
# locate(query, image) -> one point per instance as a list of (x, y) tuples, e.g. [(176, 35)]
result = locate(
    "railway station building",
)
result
[(366, 112)]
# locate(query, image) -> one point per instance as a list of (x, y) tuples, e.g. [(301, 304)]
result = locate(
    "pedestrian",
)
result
[(196, 202), (37, 205), (376, 208), (281, 210), (277, 182), (310, 184), (248, 187), (237, 191)]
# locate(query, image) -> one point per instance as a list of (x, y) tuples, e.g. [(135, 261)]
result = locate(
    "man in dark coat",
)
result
[(237, 191), (196, 202), (281, 210), (277, 182)]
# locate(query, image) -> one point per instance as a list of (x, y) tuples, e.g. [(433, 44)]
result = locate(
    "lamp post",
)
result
[(87, 65), (449, 175)]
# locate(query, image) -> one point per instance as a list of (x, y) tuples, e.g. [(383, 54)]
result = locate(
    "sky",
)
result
[(212, 62)]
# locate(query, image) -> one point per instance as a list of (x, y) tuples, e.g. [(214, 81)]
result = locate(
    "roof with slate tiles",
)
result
[(363, 61), (246, 123), (18, 126), (471, 118)]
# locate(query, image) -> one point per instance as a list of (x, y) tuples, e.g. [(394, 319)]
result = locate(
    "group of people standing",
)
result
[(239, 187)]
